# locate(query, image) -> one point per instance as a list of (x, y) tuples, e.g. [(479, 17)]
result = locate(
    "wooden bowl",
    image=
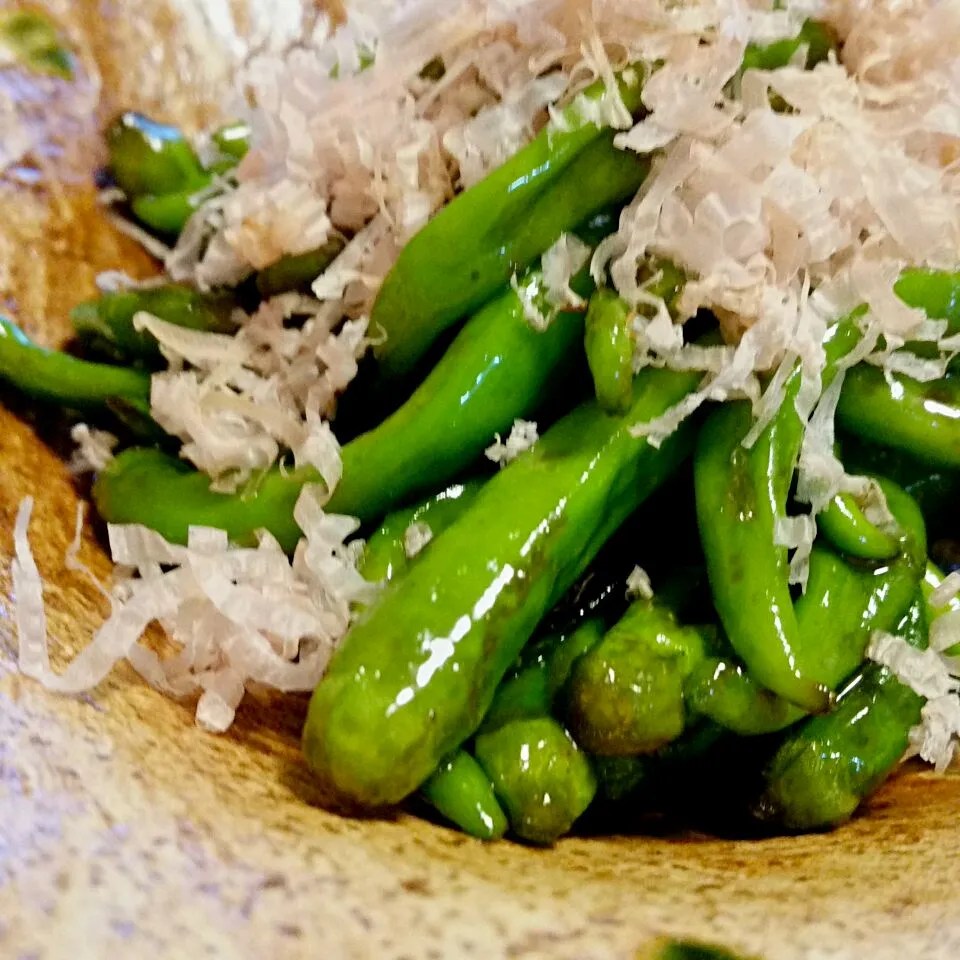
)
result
[(124, 827)]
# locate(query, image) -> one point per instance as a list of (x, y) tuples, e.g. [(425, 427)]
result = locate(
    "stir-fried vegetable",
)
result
[(476, 668)]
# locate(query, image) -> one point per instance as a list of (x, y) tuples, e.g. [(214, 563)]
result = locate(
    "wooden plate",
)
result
[(125, 828)]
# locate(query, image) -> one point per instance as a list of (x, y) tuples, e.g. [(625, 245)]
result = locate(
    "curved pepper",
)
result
[(740, 495), (475, 244), (826, 767), (844, 524), (414, 679), (845, 602), (105, 324), (461, 791), (497, 369), (921, 419), (56, 377), (385, 554)]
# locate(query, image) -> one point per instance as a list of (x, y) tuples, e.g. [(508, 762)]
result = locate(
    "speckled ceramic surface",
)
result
[(126, 830)]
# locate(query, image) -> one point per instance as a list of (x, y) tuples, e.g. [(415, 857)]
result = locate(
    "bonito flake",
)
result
[(235, 615)]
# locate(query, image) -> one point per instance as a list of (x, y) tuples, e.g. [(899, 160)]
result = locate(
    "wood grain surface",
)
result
[(125, 828)]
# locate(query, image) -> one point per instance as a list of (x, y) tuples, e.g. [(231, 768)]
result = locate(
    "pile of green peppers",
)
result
[(502, 676)]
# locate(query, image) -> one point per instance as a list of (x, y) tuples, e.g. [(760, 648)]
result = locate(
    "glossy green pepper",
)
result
[(461, 791), (55, 377), (105, 324), (497, 369), (920, 419), (625, 696), (168, 213), (844, 524), (542, 778), (298, 271), (740, 495), (414, 679), (385, 554), (845, 602), (473, 246), (827, 766), (610, 344), (147, 157)]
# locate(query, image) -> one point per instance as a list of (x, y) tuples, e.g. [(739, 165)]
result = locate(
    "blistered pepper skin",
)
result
[(827, 766), (542, 778), (625, 697), (844, 604), (414, 679)]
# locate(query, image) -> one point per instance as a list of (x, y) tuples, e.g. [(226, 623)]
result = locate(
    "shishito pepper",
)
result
[(497, 369), (414, 679)]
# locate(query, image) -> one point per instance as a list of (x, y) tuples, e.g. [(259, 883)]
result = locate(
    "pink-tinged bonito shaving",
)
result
[(236, 615), (238, 402)]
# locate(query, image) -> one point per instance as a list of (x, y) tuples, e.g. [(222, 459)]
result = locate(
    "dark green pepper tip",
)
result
[(687, 950), (460, 791)]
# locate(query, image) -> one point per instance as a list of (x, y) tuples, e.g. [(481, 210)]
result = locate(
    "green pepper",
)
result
[(231, 142), (168, 213), (845, 602), (815, 35), (610, 344), (298, 271), (147, 157), (55, 377), (105, 324), (497, 369), (385, 555), (920, 419), (625, 696), (543, 779), (740, 495), (473, 246), (414, 679), (827, 766), (844, 524), (936, 292), (462, 792)]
